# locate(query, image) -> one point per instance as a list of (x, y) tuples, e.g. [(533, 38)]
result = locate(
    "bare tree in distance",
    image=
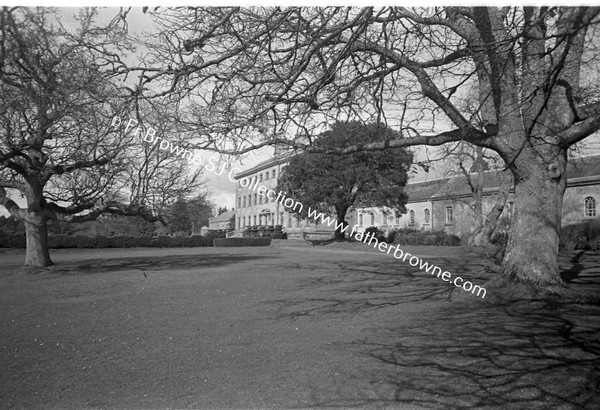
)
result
[(478, 167), (58, 145), (249, 77)]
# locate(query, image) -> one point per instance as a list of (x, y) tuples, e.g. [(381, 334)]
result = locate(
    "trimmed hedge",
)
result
[(427, 238), (120, 241), (16, 240), (279, 235), (230, 242)]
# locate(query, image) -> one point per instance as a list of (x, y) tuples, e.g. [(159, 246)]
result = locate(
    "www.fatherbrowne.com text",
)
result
[(295, 206)]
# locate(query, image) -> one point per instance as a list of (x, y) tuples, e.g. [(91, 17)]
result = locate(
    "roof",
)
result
[(584, 167), (224, 217), (458, 185), (579, 172), (280, 159), (423, 191)]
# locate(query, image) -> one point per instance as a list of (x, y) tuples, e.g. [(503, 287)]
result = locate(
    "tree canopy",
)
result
[(333, 184), (58, 144), (255, 76)]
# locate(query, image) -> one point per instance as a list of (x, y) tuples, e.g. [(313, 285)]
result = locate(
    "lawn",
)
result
[(285, 327)]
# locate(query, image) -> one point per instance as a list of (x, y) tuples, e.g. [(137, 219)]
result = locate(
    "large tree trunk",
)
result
[(532, 251), (341, 224), (37, 254)]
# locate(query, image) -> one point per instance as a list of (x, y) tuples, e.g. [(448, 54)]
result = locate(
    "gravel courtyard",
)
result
[(285, 327)]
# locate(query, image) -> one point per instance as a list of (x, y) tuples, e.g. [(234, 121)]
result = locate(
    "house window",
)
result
[(254, 217), (244, 221), (244, 201), (259, 177), (412, 217), (274, 174), (449, 216), (239, 222), (372, 219), (426, 215), (589, 206), (260, 199), (360, 219), (255, 199), (239, 202), (510, 209)]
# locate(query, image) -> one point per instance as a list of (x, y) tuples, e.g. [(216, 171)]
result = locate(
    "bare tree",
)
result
[(477, 167), (58, 145), (250, 77)]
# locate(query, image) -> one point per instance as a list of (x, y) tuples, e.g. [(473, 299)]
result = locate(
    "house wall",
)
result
[(572, 212), (257, 210), (385, 218), (573, 204), (463, 215), (254, 209), (217, 225)]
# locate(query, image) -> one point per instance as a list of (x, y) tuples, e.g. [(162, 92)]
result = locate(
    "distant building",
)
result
[(441, 205), (446, 204), (254, 210), (223, 221), (419, 210)]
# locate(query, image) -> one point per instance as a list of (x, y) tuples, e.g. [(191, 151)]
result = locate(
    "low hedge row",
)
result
[(414, 237), (121, 241), (427, 238), (230, 242)]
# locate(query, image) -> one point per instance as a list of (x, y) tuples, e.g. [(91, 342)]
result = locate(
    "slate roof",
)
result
[(584, 167), (423, 191), (283, 158), (579, 171), (458, 185), (224, 217)]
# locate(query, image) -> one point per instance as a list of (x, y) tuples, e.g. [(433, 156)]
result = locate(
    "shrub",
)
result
[(279, 235), (198, 240), (230, 242), (451, 240), (499, 238), (82, 241), (376, 233), (100, 241), (178, 241), (594, 243), (426, 238), (12, 240), (584, 235)]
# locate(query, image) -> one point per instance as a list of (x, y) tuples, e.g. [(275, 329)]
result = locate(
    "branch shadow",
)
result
[(520, 356), (450, 354), (582, 273), (148, 264), (349, 289)]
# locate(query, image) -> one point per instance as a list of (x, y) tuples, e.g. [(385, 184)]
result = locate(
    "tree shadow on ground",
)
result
[(582, 270), (150, 263), (521, 356), (466, 354), (349, 289)]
